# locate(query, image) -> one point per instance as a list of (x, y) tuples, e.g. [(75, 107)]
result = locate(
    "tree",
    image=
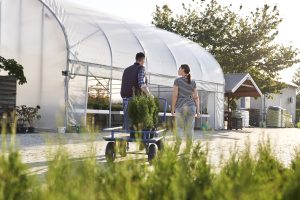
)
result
[(239, 43), (14, 69), (296, 79), (298, 107)]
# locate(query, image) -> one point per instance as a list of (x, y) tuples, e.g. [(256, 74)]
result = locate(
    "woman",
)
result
[(185, 103)]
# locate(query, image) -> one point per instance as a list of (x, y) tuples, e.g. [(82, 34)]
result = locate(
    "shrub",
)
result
[(247, 176), (244, 176), (27, 115), (14, 180), (14, 69), (298, 113), (15, 183), (99, 102), (69, 179), (292, 187), (117, 107), (102, 103), (143, 111)]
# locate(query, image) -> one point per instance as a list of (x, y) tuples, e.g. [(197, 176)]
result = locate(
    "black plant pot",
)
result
[(22, 129), (152, 132), (31, 130)]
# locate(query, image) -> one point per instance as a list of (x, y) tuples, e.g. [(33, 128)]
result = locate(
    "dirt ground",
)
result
[(35, 149)]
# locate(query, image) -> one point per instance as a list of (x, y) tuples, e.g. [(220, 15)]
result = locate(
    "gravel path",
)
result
[(35, 148)]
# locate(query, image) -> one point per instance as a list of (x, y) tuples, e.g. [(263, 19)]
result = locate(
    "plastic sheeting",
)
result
[(32, 36), (48, 36), (219, 112)]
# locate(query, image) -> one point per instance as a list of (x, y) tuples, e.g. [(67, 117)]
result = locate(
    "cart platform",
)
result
[(118, 140)]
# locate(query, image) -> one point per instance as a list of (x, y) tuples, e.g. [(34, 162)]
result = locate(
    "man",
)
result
[(134, 82)]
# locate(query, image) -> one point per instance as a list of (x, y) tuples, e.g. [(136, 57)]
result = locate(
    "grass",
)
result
[(243, 176)]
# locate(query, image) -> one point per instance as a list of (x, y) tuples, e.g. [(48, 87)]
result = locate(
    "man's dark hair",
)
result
[(139, 56)]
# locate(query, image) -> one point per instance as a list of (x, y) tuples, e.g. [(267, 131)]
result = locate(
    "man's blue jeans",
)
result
[(127, 124)]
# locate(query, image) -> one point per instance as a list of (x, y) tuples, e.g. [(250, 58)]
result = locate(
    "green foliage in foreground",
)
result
[(189, 176)]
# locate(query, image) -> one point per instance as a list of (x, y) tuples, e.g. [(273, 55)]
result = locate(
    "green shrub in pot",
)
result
[(26, 118), (143, 111), (117, 107)]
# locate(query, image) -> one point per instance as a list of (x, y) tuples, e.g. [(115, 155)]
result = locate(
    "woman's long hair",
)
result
[(187, 70)]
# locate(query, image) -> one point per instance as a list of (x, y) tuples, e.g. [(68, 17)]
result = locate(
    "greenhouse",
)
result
[(65, 46)]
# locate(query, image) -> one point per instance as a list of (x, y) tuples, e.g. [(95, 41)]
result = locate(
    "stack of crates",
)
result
[(254, 117), (274, 117), (236, 120)]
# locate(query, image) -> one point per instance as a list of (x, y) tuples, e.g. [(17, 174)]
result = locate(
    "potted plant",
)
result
[(143, 111), (204, 111), (26, 118), (117, 107), (21, 116)]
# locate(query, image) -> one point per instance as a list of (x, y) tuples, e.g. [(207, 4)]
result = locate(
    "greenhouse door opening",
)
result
[(94, 101)]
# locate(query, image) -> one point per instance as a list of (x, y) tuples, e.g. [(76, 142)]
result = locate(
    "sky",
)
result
[(142, 10)]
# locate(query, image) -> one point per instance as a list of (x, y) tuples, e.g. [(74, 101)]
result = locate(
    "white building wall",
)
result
[(246, 102), (32, 37), (281, 100)]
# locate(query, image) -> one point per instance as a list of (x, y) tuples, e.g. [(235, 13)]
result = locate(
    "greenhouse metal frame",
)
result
[(63, 43)]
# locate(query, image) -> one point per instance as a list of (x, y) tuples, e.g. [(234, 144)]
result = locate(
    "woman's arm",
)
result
[(174, 98), (197, 101)]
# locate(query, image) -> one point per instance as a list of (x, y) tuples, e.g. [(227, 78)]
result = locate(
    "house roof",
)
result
[(241, 85), (290, 84)]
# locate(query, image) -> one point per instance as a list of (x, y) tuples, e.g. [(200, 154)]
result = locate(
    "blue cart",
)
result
[(120, 137)]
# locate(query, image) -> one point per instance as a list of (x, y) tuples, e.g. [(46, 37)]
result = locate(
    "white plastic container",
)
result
[(61, 130), (274, 117), (246, 117)]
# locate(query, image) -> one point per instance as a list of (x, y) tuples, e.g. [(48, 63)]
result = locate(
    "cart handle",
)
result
[(113, 129)]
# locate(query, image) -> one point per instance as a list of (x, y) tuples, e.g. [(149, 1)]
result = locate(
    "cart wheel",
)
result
[(160, 145), (123, 149), (152, 152), (110, 152)]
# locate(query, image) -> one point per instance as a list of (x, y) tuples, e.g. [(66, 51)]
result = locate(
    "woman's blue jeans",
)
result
[(185, 122)]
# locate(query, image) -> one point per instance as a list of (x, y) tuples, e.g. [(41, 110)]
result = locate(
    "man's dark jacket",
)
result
[(130, 84)]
